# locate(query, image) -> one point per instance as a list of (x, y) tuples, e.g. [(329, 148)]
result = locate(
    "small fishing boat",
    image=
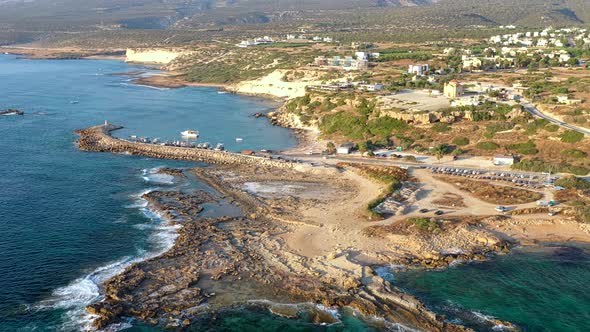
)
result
[(190, 133), (12, 112), (73, 102), (239, 139), (219, 147)]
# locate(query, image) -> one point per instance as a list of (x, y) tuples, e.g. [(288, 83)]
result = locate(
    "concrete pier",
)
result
[(98, 139)]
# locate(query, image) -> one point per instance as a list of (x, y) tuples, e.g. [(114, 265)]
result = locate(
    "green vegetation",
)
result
[(538, 165), (440, 150), (573, 182), (344, 123), (488, 146), (461, 141), (552, 127), (534, 126), (524, 148), (574, 153), (441, 127), (425, 224), (356, 125), (401, 54), (571, 136)]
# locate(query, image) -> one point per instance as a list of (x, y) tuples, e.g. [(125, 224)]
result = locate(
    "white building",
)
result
[(344, 148), (418, 69), (503, 160)]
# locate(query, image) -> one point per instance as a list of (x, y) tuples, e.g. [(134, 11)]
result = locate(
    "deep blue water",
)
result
[(65, 213)]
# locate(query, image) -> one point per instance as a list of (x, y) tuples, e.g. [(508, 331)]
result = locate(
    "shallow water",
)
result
[(543, 289)]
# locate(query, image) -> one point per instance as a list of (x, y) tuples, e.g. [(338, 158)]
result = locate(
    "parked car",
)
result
[(423, 210), (501, 208), (439, 213)]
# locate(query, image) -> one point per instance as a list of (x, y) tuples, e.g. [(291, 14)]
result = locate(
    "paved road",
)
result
[(535, 112)]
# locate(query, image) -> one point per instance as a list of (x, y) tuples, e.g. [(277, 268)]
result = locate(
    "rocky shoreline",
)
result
[(224, 262)]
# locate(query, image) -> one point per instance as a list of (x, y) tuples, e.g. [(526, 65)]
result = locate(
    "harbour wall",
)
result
[(98, 139)]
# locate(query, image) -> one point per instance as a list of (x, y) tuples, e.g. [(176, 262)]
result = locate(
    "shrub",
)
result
[(574, 153), (461, 141), (571, 136), (524, 148), (425, 224), (345, 124), (539, 165), (552, 127), (384, 126), (441, 127), (573, 182), (488, 146)]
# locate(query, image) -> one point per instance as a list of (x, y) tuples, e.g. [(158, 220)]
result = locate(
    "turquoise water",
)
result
[(70, 219), (540, 290)]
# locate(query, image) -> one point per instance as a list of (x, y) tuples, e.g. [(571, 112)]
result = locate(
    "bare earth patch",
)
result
[(495, 194)]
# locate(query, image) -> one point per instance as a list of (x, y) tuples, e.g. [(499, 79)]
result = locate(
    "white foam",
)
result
[(152, 175), (84, 291)]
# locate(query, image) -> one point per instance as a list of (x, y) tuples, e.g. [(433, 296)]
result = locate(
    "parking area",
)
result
[(525, 180)]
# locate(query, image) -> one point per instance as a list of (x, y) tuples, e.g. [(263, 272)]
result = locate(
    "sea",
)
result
[(71, 219)]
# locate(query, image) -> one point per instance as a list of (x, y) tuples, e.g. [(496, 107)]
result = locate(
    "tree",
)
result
[(331, 147), (440, 150)]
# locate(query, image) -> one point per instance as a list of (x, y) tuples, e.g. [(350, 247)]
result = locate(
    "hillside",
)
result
[(370, 20)]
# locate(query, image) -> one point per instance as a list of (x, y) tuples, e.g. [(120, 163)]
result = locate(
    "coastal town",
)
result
[(413, 153)]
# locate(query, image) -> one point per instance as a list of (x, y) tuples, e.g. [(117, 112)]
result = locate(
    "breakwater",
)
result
[(98, 139)]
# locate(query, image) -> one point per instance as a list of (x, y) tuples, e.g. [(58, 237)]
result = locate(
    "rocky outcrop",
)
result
[(98, 139), (422, 117), (212, 255)]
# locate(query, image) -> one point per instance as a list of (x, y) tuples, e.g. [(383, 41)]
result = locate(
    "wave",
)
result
[(152, 175), (76, 296)]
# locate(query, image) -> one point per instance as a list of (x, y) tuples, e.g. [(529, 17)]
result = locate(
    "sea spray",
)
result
[(76, 296)]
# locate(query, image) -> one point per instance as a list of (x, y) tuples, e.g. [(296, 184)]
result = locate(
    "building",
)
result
[(470, 63), (344, 148), (418, 69), (503, 160), (371, 87), (567, 101), (453, 89)]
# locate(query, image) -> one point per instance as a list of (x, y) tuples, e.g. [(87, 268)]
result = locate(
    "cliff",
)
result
[(153, 55)]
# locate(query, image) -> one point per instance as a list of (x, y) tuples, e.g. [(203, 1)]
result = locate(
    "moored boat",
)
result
[(190, 133)]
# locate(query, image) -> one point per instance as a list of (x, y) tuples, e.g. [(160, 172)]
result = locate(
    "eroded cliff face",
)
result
[(152, 55)]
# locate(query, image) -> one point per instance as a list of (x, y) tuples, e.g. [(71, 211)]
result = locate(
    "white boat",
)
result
[(190, 133), (239, 139), (219, 147)]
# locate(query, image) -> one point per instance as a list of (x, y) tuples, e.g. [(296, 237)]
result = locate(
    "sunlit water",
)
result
[(70, 219), (542, 289)]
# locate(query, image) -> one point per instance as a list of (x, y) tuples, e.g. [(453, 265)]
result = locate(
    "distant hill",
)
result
[(24, 20)]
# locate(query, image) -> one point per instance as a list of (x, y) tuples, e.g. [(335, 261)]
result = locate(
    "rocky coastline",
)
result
[(224, 262)]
